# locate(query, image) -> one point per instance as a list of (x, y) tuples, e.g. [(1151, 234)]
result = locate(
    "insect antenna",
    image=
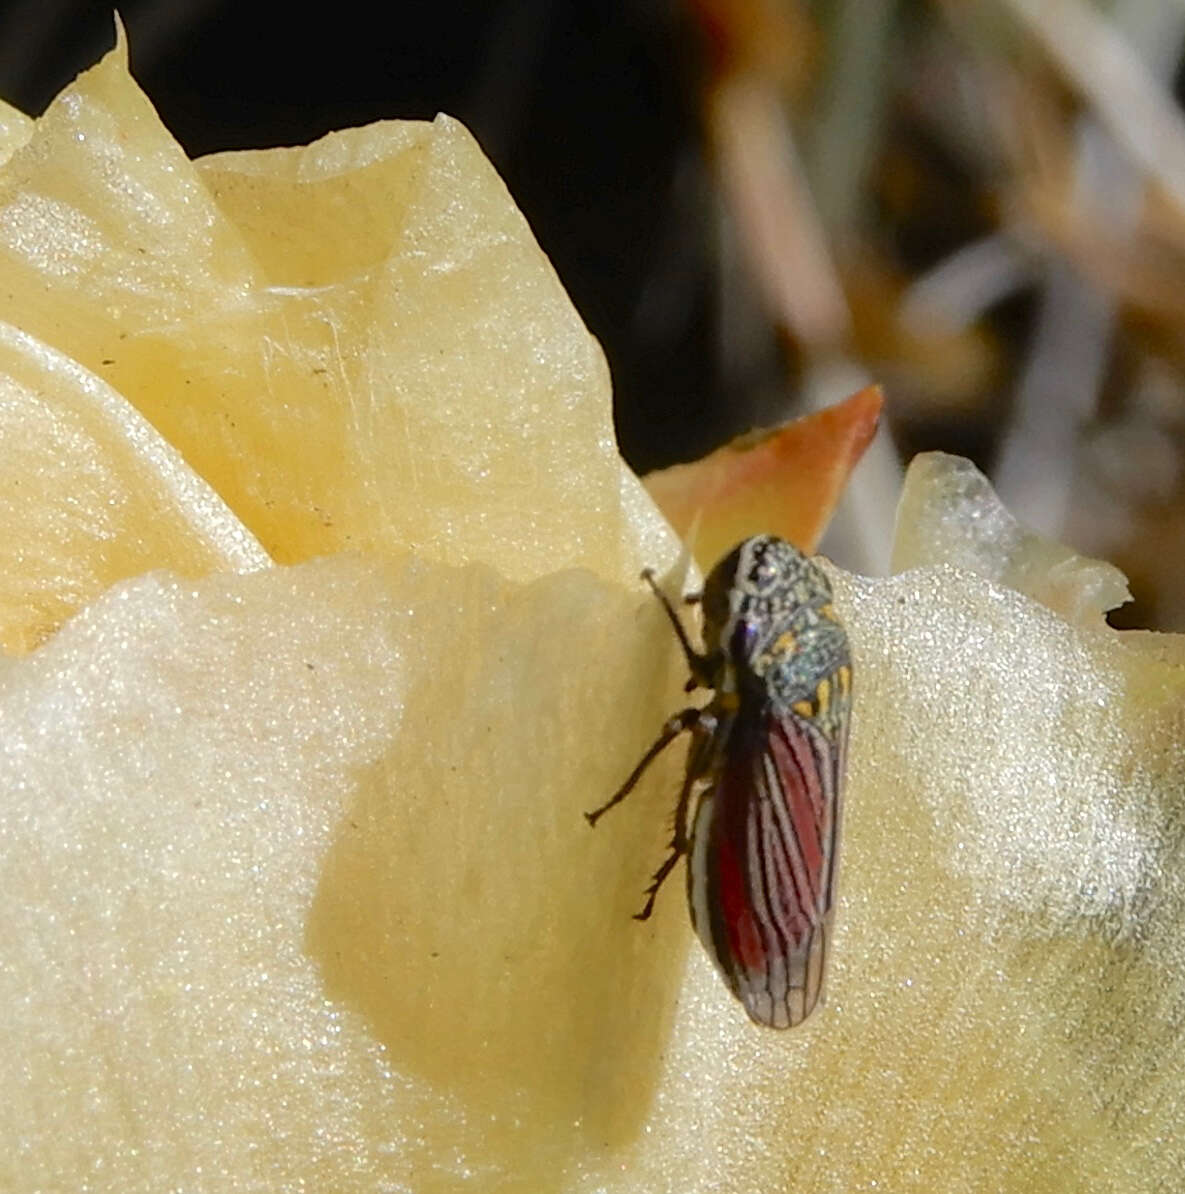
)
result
[(698, 663)]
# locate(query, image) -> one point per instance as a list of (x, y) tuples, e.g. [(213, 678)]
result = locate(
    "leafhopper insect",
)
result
[(758, 815)]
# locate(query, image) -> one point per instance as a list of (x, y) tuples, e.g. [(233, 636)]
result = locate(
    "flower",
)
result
[(317, 526)]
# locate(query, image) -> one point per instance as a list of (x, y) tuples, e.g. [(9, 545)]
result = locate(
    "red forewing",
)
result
[(761, 882)]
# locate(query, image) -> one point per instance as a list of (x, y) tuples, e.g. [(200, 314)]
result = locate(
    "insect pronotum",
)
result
[(759, 810)]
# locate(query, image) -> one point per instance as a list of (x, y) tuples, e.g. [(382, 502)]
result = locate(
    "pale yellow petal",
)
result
[(91, 494), (430, 385), (949, 514), (300, 885), (15, 130), (307, 885)]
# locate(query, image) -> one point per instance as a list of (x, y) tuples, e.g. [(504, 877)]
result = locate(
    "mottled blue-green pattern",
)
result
[(768, 615)]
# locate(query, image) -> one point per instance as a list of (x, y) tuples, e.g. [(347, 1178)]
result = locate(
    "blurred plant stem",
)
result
[(848, 121), (1119, 66)]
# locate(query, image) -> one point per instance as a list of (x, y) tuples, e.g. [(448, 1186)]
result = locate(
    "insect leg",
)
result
[(673, 728), (680, 844), (703, 729)]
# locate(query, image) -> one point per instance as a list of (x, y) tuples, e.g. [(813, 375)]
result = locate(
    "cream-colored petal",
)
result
[(15, 130), (300, 888), (949, 514), (417, 377), (1003, 1007), (306, 889), (90, 494)]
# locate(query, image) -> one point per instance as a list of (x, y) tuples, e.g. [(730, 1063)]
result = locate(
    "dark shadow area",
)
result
[(484, 930)]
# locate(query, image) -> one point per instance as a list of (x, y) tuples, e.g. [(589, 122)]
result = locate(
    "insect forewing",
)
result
[(762, 877)]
